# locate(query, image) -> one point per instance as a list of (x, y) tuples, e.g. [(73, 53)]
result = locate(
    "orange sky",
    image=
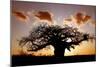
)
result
[(85, 48)]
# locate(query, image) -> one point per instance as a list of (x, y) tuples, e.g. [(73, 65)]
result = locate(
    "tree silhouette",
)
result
[(57, 36)]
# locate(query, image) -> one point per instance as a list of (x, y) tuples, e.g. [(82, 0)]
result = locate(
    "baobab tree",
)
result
[(57, 36)]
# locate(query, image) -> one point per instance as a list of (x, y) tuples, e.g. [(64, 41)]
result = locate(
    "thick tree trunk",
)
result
[(59, 51)]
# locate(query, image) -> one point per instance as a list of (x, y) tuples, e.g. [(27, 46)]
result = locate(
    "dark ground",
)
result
[(40, 60)]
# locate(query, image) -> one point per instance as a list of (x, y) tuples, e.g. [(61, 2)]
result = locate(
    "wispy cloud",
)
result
[(81, 18), (78, 19), (21, 16), (45, 16)]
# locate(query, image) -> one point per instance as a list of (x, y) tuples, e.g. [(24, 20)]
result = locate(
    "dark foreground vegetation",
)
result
[(24, 60)]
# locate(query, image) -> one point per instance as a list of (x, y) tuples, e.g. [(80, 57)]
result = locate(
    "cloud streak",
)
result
[(81, 18), (78, 19), (20, 15), (45, 16)]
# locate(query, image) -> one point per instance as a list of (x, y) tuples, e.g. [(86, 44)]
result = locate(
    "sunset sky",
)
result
[(26, 15)]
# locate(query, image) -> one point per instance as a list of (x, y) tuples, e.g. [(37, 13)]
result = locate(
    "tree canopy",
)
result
[(57, 36)]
